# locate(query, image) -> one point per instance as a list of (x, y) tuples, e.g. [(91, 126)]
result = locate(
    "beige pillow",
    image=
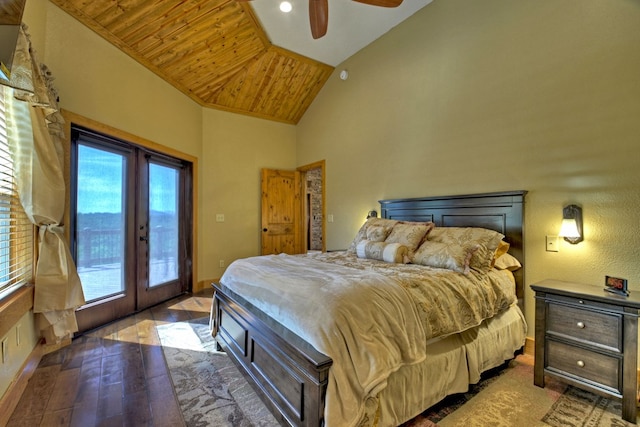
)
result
[(482, 241), (507, 262), (409, 234), (503, 247), (445, 255), (382, 251), (362, 233)]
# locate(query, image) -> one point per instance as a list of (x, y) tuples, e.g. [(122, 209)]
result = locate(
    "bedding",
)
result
[(372, 318)]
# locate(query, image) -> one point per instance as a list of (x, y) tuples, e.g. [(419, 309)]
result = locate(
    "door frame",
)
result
[(299, 224), (303, 228), (92, 125)]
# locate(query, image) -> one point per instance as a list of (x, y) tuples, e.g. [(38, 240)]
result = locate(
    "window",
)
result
[(16, 231)]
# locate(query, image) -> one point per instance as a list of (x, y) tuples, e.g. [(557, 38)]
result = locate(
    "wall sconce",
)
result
[(372, 214), (571, 228)]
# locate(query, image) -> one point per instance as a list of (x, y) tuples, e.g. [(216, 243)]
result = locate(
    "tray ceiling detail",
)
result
[(214, 51)]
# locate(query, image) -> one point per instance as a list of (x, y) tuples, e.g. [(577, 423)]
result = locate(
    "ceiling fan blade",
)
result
[(381, 3), (318, 17)]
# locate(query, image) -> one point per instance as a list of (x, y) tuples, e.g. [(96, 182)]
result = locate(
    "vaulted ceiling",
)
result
[(214, 51)]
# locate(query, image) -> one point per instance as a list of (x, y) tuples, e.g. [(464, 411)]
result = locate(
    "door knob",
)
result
[(264, 229)]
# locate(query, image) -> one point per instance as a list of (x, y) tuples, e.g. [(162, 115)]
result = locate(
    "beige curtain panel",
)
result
[(36, 137)]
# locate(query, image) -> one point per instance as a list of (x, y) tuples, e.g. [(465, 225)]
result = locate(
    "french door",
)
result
[(130, 226)]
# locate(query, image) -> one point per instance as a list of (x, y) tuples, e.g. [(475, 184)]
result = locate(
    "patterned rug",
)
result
[(212, 392), (210, 389)]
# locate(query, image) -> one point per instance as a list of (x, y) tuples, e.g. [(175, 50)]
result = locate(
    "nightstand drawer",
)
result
[(584, 364), (598, 328)]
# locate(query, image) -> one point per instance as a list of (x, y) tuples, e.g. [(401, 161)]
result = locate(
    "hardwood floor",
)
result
[(112, 376)]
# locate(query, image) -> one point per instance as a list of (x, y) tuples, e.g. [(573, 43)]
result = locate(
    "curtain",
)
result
[(36, 137)]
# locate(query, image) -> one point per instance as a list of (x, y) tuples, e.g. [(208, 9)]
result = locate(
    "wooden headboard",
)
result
[(503, 212)]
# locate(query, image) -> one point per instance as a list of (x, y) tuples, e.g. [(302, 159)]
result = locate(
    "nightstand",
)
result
[(588, 338)]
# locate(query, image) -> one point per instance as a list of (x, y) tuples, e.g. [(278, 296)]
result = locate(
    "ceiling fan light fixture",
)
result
[(285, 6)]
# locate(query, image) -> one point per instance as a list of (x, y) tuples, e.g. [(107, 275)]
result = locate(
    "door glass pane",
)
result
[(100, 222), (163, 224)]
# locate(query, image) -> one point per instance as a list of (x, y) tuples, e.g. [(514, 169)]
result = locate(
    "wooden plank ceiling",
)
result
[(214, 51)]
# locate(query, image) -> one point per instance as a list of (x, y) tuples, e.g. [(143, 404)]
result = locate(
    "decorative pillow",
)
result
[(409, 234), (382, 251), (487, 242), (445, 255), (507, 262), (362, 233), (378, 232)]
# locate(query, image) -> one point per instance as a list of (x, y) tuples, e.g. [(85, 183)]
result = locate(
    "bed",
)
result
[(280, 318)]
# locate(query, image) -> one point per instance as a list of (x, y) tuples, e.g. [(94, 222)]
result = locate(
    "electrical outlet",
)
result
[(330, 218), (219, 217), (221, 263), (5, 350), (552, 244)]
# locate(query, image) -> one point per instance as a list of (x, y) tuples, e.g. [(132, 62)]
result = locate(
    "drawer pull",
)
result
[(580, 302), (580, 363), (580, 325)]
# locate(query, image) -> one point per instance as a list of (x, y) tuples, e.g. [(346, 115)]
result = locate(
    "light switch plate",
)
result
[(552, 244)]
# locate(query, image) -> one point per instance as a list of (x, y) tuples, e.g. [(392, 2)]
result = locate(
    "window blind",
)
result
[(16, 230)]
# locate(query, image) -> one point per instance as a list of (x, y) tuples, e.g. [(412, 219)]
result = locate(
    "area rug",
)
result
[(510, 399), (580, 408), (212, 392), (210, 389)]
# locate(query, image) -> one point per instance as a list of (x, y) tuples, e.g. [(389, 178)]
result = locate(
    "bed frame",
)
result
[(288, 373)]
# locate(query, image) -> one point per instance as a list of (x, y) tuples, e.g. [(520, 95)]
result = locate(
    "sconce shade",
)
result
[(571, 228)]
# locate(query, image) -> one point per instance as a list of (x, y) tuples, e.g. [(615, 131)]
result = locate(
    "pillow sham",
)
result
[(409, 234), (445, 255), (362, 232), (507, 262), (382, 251), (482, 241)]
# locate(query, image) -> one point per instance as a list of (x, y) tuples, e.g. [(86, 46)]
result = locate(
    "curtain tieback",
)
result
[(53, 228)]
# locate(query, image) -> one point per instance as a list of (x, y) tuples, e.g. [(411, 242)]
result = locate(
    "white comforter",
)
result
[(370, 317)]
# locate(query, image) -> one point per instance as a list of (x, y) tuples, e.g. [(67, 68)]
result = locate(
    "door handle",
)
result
[(144, 238)]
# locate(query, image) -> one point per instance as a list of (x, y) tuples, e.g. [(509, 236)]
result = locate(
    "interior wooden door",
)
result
[(281, 212)]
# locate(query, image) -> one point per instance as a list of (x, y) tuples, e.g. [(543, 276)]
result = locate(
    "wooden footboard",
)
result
[(289, 374)]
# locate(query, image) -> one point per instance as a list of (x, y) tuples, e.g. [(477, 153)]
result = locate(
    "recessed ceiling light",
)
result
[(285, 6)]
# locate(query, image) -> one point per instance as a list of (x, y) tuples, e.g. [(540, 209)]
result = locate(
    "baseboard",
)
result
[(204, 284), (13, 394)]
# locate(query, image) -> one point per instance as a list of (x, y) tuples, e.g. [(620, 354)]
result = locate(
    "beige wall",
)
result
[(234, 150), (480, 96)]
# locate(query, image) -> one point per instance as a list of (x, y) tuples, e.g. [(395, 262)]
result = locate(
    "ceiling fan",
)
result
[(319, 13)]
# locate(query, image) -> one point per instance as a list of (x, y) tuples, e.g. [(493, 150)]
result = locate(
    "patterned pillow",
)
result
[(362, 233), (409, 234), (383, 251), (378, 232), (483, 242), (444, 255)]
